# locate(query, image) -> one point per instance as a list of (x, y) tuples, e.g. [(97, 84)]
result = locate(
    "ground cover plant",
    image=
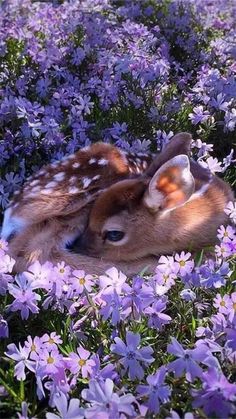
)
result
[(132, 73)]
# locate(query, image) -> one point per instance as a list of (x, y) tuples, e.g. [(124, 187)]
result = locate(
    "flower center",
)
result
[(131, 355), (33, 347), (82, 362), (62, 270), (51, 341), (82, 281), (222, 303), (50, 360), (234, 306), (182, 263)]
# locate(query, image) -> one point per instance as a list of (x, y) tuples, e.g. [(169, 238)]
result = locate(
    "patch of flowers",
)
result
[(100, 357), (132, 73)]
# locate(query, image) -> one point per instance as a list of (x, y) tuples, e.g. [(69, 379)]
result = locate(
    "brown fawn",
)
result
[(175, 205), (52, 207)]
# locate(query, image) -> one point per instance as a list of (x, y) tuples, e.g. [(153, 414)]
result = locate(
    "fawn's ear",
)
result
[(171, 186), (179, 144)]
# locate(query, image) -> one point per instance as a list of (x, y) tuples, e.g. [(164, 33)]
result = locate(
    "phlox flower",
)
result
[(230, 210), (6, 263), (25, 298), (80, 281), (34, 345), (105, 404), (40, 274), (187, 294), (112, 307), (165, 278), (198, 115), (187, 361), (5, 280), (21, 356), (81, 362), (62, 270), (24, 412), (156, 390), (174, 415), (133, 299), (217, 395), (49, 362), (223, 303), (167, 264), (132, 357), (113, 280), (3, 245), (212, 164), (67, 409), (212, 275), (225, 249), (226, 234), (99, 374), (185, 266), (51, 341), (157, 319)]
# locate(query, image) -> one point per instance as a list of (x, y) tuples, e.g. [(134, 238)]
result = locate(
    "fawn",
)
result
[(175, 205), (52, 207)]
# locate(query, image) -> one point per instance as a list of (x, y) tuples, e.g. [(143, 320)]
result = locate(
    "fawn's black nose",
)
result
[(77, 246)]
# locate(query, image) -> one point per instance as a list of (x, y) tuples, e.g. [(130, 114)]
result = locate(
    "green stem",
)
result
[(22, 390), (9, 389)]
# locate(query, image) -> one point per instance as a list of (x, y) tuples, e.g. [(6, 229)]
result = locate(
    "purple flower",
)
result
[(187, 361), (20, 355), (67, 409), (105, 403), (198, 115), (156, 390), (25, 298), (112, 308), (217, 396), (157, 319), (132, 357), (81, 362), (112, 281), (187, 295)]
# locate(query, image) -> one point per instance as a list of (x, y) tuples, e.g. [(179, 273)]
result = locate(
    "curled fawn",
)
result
[(52, 207), (175, 205)]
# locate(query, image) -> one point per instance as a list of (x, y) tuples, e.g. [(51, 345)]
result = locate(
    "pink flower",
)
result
[(81, 281), (81, 362), (185, 266)]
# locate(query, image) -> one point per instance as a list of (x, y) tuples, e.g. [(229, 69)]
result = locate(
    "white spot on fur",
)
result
[(86, 182), (92, 161), (51, 185), (46, 191), (34, 182), (73, 190), (59, 176), (73, 179), (96, 177), (42, 172), (76, 165), (102, 162)]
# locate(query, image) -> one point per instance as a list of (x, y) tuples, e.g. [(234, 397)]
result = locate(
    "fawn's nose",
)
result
[(79, 245)]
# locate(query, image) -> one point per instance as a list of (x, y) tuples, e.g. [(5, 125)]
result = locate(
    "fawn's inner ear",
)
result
[(171, 186)]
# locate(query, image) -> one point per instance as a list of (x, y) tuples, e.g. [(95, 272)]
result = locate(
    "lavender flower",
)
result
[(67, 410), (105, 403), (81, 362), (132, 357), (156, 390)]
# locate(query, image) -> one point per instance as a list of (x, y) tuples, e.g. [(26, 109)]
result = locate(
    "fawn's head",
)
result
[(131, 219)]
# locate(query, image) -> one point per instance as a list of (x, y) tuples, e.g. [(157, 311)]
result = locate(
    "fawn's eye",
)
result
[(114, 235)]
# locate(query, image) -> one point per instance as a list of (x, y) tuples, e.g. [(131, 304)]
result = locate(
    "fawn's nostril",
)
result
[(77, 246)]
